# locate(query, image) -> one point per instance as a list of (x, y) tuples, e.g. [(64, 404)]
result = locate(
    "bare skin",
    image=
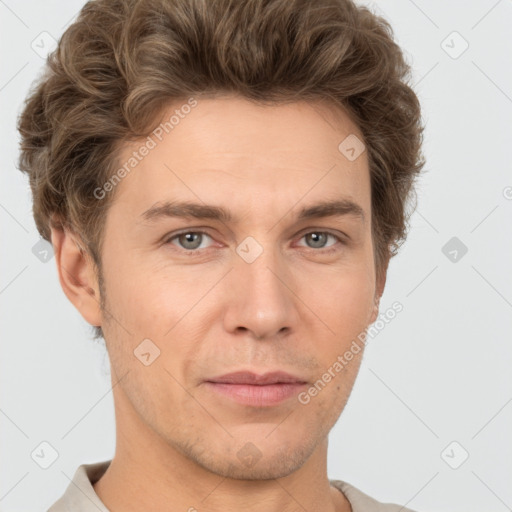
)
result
[(297, 307)]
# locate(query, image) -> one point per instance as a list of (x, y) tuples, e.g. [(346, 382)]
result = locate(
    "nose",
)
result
[(260, 300)]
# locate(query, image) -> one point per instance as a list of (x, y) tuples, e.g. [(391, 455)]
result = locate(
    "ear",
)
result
[(379, 290), (77, 274)]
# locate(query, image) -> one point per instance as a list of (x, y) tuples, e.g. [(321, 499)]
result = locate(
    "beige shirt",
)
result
[(81, 497)]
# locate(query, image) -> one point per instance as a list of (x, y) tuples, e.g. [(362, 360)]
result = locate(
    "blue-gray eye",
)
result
[(318, 238), (190, 240)]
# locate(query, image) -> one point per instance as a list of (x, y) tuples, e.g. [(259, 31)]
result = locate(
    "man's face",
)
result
[(262, 292)]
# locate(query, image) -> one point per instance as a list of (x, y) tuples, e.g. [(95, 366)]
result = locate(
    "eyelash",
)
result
[(194, 252)]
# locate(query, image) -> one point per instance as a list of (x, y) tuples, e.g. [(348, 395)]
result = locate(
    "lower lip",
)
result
[(257, 396)]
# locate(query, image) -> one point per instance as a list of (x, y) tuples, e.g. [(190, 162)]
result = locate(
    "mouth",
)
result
[(247, 388), (244, 377)]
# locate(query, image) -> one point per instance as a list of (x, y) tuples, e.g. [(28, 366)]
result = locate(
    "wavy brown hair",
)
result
[(122, 62)]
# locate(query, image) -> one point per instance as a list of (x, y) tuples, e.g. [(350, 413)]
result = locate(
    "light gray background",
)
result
[(439, 372)]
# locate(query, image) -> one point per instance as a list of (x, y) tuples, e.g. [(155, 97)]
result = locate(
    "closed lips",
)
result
[(250, 378)]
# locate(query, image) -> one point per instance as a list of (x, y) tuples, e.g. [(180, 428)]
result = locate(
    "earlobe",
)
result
[(77, 275)]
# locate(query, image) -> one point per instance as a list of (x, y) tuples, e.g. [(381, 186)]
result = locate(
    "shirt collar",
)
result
[(80, 495)]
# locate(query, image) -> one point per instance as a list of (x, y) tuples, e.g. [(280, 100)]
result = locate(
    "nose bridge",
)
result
[(259, 267), (262, 301)]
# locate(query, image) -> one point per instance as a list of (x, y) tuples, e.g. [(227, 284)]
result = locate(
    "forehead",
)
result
[(230, 146), (230, 123)]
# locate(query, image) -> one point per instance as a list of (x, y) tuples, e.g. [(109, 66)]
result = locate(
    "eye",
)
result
[(319, 238), (189, 240)]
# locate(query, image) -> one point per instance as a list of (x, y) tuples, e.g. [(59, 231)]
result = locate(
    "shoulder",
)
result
[(361, 502), (80, 495)]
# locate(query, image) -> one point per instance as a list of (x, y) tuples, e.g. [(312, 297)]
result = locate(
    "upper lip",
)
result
[(257, 379)]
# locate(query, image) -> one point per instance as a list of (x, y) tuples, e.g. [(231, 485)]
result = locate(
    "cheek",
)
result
[(343, 299), (170, 308), (145, 295)]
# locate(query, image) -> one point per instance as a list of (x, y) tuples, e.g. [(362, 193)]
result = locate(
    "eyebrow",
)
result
[(188, 210)]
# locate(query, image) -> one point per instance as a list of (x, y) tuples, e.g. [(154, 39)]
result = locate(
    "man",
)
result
[(223, 184)]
